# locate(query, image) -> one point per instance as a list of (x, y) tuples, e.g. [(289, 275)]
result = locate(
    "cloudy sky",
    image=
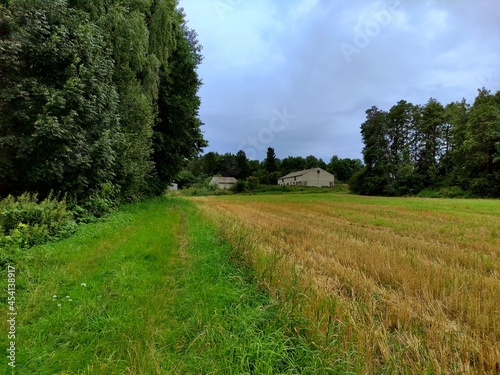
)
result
[(298, 75)]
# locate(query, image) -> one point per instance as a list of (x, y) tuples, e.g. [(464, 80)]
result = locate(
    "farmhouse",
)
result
[(310, 177), (223, 182)]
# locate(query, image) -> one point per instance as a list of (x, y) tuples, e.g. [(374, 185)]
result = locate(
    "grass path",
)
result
[(149, 291)]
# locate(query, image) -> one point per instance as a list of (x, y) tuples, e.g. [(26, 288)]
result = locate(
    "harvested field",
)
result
[(389, 285)]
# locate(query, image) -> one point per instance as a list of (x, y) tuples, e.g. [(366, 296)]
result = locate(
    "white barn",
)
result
[(310, 177), (223, 182)]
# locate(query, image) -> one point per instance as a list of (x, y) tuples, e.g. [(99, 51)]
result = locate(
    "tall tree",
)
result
[(210, 161), (292, 164), (227, 165), (242, 164), (432, 146), (59, 123), (480, 146), (377, 175), (374, 134), (456, 115), (177, 135), (86, 82), (402, 137), (400, 129), (311, 162), (127, 32), (271, 163), (430, 135), (344, 169)]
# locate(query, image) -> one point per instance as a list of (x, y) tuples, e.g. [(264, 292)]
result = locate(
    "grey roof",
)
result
[(300, 173), (224, 180)]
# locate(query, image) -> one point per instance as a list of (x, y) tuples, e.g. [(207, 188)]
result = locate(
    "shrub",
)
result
[(201, 191), (253, 183), (240, 187), (444, 192), (24, 221), (185, 179), (222, 192), (102, 201)]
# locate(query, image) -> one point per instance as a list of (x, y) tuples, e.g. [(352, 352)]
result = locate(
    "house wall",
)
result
[(213, 182), (311, 178), (220, 185)]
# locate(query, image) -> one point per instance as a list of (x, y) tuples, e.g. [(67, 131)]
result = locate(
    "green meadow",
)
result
[(151, 290)]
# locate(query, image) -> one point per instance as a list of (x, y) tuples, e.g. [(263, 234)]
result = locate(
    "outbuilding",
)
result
[(310, 177), (223, 182)]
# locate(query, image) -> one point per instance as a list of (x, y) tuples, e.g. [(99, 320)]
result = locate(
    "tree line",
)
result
[(98, 97), (266, 171), (415, 147)]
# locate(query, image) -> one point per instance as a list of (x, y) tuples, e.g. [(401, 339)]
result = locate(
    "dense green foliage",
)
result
[(59, 120), (176, 133), (412, 148), (97, 97), (25, 221)]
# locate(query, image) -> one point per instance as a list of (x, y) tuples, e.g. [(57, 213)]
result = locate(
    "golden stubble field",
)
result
[(389, 285)]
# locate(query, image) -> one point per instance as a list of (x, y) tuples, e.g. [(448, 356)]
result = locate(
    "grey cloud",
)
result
[(307, 71)]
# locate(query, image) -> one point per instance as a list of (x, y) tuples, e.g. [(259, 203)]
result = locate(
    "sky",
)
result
[(298, 75)]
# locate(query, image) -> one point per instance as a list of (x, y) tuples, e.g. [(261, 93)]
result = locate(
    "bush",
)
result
[(185, 179), (222, 192), (444, 192), (240, 187), (253, 183), (24, 221), (197, 190), (101, 202)]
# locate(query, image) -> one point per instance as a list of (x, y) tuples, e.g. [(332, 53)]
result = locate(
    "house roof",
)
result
[(224, 180), (300, 173)]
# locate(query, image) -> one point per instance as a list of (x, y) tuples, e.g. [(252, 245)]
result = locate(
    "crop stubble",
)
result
[(409, 288)]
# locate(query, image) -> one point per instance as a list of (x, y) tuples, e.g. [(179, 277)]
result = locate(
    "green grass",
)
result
[(459, 206), (159, 296), (262, 190)]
